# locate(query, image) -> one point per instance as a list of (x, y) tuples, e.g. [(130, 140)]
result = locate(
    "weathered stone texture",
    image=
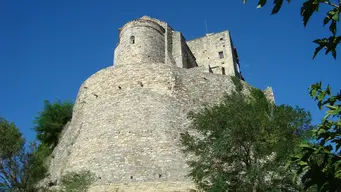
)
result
[(127, 119), (141, 41), (268, 92), (148, 40), (146, 187), (206, 51)]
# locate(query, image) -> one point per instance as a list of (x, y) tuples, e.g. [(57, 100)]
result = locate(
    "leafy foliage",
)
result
[(51, 121), (309, 7), (76, 182), (320, 163), (37, 166), (11, 140), (20, 169), (243, 143)]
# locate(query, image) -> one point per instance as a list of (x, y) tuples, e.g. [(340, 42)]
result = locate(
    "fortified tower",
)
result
[(128, 118), (148, 40), (140, 41)]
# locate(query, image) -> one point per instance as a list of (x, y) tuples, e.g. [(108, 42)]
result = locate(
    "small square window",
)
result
[(221, 38), (221, 55), (132, 40)]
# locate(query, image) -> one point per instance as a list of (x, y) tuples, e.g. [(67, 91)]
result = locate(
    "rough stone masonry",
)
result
[(127, 118)]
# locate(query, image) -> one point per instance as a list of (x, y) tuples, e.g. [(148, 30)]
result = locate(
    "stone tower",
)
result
[(141, 41), (127, 118)]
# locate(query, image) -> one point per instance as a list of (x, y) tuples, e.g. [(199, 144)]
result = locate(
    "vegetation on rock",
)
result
[(77, 181)]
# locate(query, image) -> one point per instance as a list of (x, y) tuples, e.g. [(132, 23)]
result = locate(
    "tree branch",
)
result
[(5, 176), (331, 4), (5, 180)]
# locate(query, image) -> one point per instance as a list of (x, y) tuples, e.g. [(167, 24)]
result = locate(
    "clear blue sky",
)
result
[(48, 48)]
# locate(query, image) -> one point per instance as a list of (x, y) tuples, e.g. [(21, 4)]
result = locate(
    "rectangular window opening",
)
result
[(221, 55), (132, 40)]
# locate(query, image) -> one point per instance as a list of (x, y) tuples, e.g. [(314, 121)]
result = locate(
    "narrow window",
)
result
[(221, 55), (223, 70), (132, 40)]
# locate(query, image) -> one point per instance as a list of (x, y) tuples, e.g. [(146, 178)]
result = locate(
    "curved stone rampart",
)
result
[(127, 122), (128, 118)]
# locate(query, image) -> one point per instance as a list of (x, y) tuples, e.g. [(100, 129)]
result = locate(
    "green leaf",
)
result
[(261, 3), (307, 9), (306, 146), (328, 90), (321, 131), (322, 43), (336, 14), (332, 27), (333, 53), (277, 7)]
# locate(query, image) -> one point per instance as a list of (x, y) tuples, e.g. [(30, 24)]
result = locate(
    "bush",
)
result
[(76, 182), (51, 121)]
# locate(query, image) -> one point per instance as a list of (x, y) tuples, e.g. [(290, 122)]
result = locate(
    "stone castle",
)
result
[(127, 118)]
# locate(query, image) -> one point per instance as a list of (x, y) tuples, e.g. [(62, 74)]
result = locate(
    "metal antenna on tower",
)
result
[(206, 27)]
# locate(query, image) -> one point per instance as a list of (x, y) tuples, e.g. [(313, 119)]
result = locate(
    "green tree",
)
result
[(51, 121), (20, 168), (244, 142), (319, 162)]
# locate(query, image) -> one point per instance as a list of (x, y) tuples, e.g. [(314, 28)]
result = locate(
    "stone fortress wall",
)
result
[(127, 118)]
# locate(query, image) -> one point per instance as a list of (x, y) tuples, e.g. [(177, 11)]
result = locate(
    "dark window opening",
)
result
[(132, 40), (223, 70), (222, 38), (221, 55)]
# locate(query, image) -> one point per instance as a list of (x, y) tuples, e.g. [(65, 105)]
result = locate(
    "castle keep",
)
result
[(128, 117), (148, 40)]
